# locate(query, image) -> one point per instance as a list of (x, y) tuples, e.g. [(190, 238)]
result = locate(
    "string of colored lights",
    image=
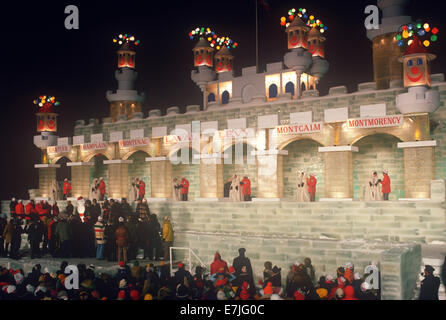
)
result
[(309, 19), (422, 31), (46, 101), (215, 41), (127, 38)]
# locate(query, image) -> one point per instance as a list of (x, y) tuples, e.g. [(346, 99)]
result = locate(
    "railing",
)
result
[(191, 254)]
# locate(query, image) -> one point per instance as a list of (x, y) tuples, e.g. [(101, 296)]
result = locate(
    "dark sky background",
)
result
[(39, 56)]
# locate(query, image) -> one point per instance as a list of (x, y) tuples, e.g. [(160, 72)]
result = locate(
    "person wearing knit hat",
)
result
[(121, 295), (134, 295), (268, 290), (18, 278), (339, 295), (122, 284), (244, 293), (298, 295), (148, 296), (322, 293)]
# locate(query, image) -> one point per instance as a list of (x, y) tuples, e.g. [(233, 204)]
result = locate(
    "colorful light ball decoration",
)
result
[(215, 41), (423, 31), (309, 19), (127, 38), (46, 101)]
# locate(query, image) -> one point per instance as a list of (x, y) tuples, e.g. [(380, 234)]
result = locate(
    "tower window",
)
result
[(272, 91), (420, 62), (289, 88), (225, 97), (410, 63), (211, 97)]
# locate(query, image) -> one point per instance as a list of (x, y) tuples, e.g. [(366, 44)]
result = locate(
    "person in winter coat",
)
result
[(154, 238), (55, 209), (122, 240), (3, 224), (30, 210), (182, 276), (243, 270), (20, 210), (12, 206), (132, 228), (167, 237), (99, 229), (52, 236), (246, 188), (385, 183), (443, 273), (69, 209), (349, 293), (16, 240), (95, 211), (64, 233), (7, 235), (126, 209), (35, 232), (218, 264), (429, 285), (75, 224), (110, 244), (309, 269), (142, 230)]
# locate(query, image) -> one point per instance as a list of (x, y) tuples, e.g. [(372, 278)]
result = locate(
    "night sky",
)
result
[(39, 56)]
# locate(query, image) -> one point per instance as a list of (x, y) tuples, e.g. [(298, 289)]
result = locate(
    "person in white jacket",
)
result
[(176, 189), (372, 189), (94, 191), (302, 188)]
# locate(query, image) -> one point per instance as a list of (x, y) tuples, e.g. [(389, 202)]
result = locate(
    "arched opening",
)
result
[(272, 91), (289, 88), (61, 173), (211, 97), (239, 163), (303, 87), (187, 169), (140, 169), (225, 97), (303, 155), (99, 170), (378, 152)]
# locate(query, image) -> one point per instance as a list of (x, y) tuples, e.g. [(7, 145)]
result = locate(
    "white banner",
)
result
[(134, 143), (94, 146), (380, 122), (58, 149), (308, 128)]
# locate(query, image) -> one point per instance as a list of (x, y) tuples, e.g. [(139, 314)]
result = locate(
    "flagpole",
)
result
[(257, 37)]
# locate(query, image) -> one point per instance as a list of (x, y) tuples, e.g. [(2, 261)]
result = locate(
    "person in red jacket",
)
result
[(184, 188), (55, 209), (101, 189), (141, 189), (246, 188), (385, 185), (30, 210), (66, 189), (20, 210), (311, 183), (349, 292), (218, 264)]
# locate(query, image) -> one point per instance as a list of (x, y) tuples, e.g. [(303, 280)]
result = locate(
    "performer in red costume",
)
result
[(184, 189), (101, 189), (311, 183), (141, 189), (66, 189), (246, 188), (386, 185)]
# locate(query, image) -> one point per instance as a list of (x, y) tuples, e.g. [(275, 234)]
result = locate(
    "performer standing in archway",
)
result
[(94, 192), (234, 191), (133, 191), (372, 192), (184, 189), (312, 182), (176, 192), (141, 189), (101, 189), (386, 185), (66, 189), (246, 188), (302, 190)]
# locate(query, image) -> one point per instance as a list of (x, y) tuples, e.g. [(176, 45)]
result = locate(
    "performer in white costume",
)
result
[(54, 191), (133, 190), (94, 191), (234, 191), (302, 188), (176, 189), (372, 189), (81, 208)]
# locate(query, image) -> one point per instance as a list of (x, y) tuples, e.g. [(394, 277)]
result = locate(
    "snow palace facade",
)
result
[(281, 126)]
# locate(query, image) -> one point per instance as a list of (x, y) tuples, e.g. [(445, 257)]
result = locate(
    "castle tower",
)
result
[(316, 43), (224, 60), (418, 99), (46, 124), (125, 100), (416, 65), (203, 61), (203, 54), (386, 52), (297, 33)]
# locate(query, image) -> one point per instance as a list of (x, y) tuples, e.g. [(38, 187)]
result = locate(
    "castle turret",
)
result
[(419, 98), (224, 60), (125, 100), (297, 33), (386, 51), (316, 43), (46, 124), (203, 61)]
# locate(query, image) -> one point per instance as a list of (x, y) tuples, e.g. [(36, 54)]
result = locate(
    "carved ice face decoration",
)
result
[(416, 71), (297, 39)]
